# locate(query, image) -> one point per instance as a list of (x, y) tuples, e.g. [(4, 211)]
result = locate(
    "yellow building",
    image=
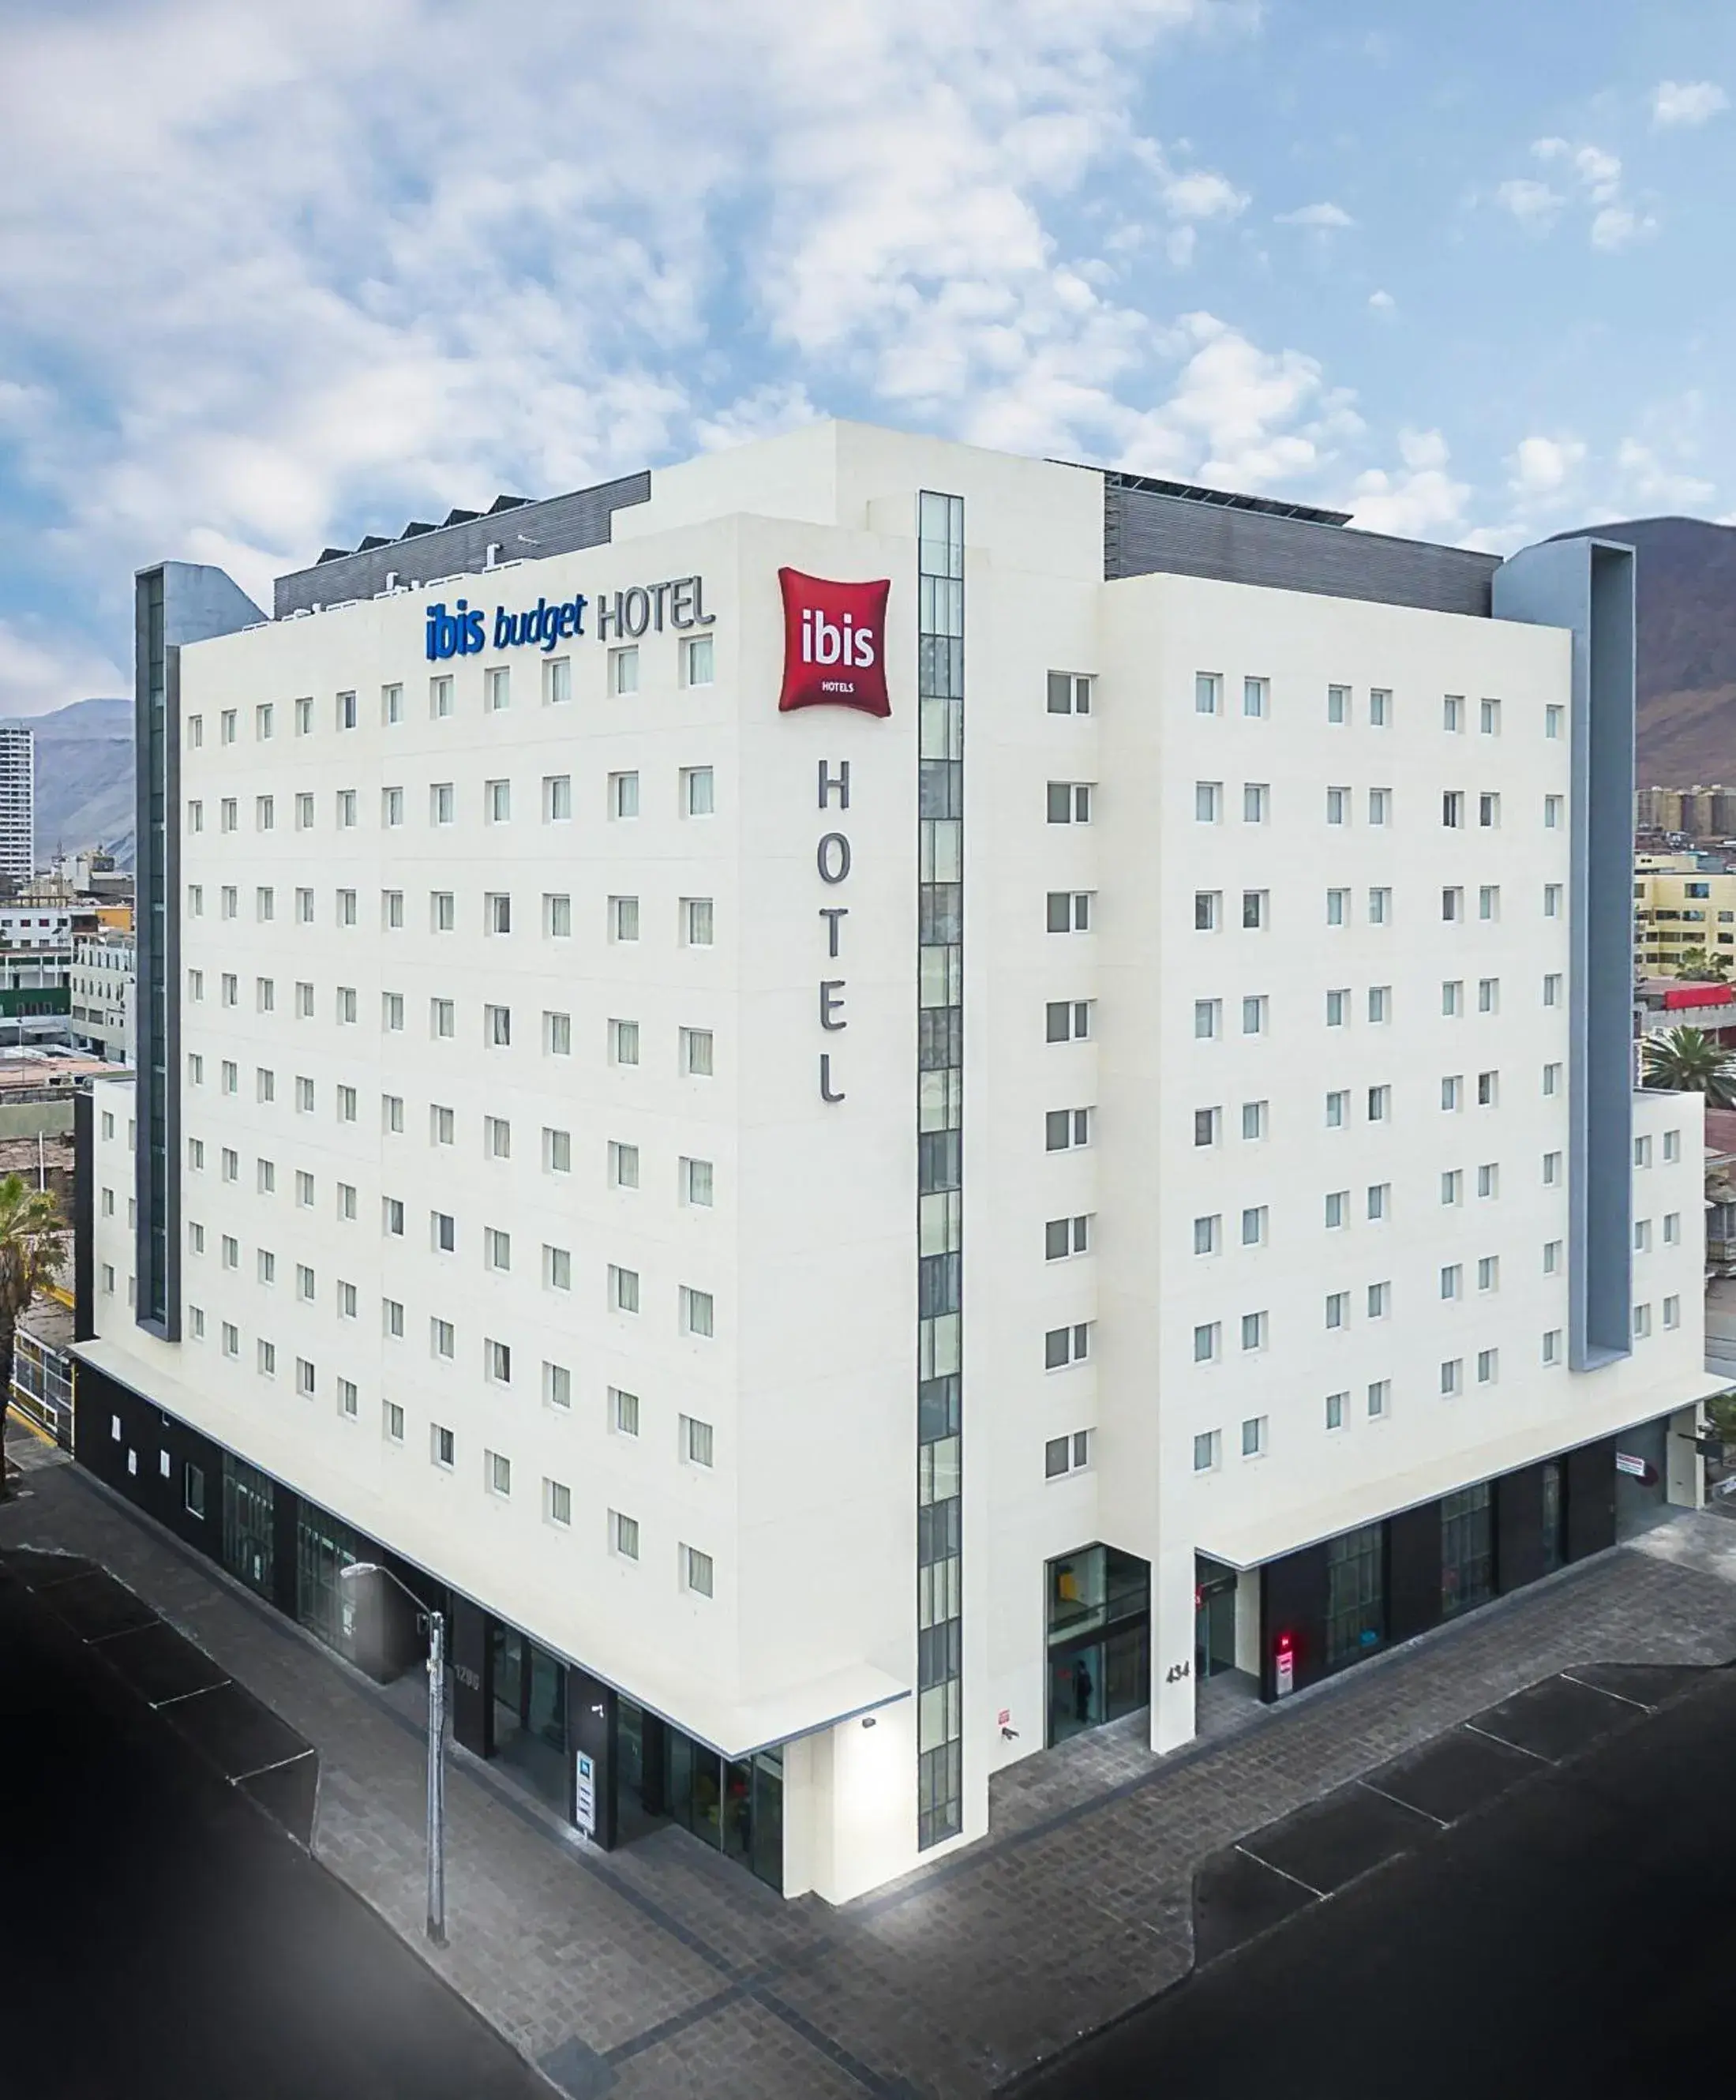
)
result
[(1678, 907)]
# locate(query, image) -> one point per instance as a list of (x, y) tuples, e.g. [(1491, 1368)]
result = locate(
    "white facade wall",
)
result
[(807, 1250)]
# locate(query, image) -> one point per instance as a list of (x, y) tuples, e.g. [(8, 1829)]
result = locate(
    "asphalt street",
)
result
[(1576, 1936), (160, 1936)]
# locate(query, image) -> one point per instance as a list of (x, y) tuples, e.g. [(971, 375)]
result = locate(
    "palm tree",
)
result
[(32, 1252), (1689, 1061), (1707, 968)]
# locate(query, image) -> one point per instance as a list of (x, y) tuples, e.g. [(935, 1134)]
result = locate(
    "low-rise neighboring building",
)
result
[(104, 976), (1682, 902)]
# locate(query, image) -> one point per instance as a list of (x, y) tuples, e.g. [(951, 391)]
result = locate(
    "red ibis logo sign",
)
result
[(834, 644)]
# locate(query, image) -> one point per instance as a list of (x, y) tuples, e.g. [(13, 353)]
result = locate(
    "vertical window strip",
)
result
[(939, 1149)]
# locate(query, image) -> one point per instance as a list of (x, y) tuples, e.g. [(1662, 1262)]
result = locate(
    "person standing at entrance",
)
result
[(1082, 1689)]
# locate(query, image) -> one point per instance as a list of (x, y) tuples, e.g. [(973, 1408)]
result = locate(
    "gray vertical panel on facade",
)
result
[(1586, 587), (174, 603)]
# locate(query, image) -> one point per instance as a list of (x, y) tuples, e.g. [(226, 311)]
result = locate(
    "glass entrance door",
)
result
[(1213, 1617)]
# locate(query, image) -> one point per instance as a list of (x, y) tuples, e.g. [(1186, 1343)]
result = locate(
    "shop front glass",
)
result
[(247, 1525), (735, 1805), (1214, 1587), (1467, 1549), (1554, 1512), (529, 1714), (324, 1604), (1356, 1595), (1099, 1635)]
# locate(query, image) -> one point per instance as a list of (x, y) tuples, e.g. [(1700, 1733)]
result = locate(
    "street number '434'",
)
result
[(1177, 1671)]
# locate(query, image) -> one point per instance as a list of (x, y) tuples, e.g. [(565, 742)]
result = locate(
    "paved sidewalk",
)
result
[(662, 1971)]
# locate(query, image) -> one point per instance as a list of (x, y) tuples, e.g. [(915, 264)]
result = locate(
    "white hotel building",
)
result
[(847, 1249)]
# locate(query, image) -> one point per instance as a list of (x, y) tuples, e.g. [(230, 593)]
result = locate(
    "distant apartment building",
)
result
[(17, 802), (104, 976), (1681, 908), (1694, 813)]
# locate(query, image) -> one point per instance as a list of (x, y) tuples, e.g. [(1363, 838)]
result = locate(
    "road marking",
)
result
[(1506, 1743), (236, 1778), (176, 1699), (1297, 1878), (1605, 1690), (1400, 1801)]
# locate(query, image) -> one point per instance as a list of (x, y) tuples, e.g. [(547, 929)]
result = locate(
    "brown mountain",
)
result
[(1686, 572)]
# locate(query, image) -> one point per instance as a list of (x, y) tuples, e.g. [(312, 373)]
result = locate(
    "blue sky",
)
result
[(270, 283)]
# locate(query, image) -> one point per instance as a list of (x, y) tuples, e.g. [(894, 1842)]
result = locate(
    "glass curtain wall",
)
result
[(247, 1499), (1467, 1549), (324, 1604), (1098, 1633), (939, 1155), (1356, 1595)]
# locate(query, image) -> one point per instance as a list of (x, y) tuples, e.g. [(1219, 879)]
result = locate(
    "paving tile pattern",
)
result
[(662, 1970)]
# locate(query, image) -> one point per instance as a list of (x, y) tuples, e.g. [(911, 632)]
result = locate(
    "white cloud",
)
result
[(1617, 224), (1420, 500), (1323, 218), (1202, 194), (40, 671), (1534, 204), (1678, 104), (1541, 467), (1382, 303), (1648, 479)]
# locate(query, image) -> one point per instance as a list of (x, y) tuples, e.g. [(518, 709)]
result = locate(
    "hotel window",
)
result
[(1254, 908), (1379, 805), (557, 681), (228, 722), (1256, 801), (1489, 1273), (304, 906), (229, 900), (1253, 1226), (1338, 1209), (1452, 904), (348, 1398), (346, 1008), (1452, 1091), (440, 698), (304, 715), (1337, 805), (698, 658), (697, 792), (1253, 1436), (1672, 1228), (443, 1126), (1205, 1126), (443, 1232), (1642, 1322), (1551, 1346), (623, 1412), (623, 1289), (557, 797), (304, 1378), (1057, 1243), (498, 1473), (1338, 1308), (623, 1531), (391, 807), (623, 918), (624, 1041), (497, 1138), (443, 803), (1337, 907), (558, 1269), (557, 1034), (1380, 1004), (1206, 1013), (227, 813), (231, 1080), (1208, 692), (1337, 1108), (696, 1183), (441, 1017), (265, 904), (392, 1422), (1256, 695), (1066, 1021), (347, 716), (346, 907), (558, 1385), (1069, 911), (696, 1051), (1208, 802), (1337, 1008), (1672, 1311), (497, 912), (346, 1104), (1338, 704), (264, 1084), (1489, 811), (497, 1362), (392, 1012), (392, 1217), (265, 813), (267, 1359), (1253, 1330), (1206, 910), (497, 802), (346, 810), (697, 1573), (557, 916), (558, 1503), (1489, 1180), (1205, 1450), (1489, 900), (1254, 1015), (1553, 808), (624, 1164), (1453, 712), (1552, 989), (497, 689), (304, 1094), (391, 704), (697, 921), (1253, 1119), (1380, 1300), (347, 1201), (1068, 694), (392, 909), (441, 1446), (1065, 1129), (1452, 809), (194, 732), (697, 1312), (1336, 1404), (624, 670), (1205, 1341), (1671, 1145), (1552, 1169), (194, 814)]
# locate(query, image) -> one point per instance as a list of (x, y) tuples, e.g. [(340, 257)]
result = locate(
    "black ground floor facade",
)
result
[(588, 1753), (1309, 1614)]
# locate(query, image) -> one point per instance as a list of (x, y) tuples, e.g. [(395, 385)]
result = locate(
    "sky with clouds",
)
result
[(271, 277)]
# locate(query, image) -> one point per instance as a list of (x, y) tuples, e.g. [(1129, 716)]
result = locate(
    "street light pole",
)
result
[(436, 1623)]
